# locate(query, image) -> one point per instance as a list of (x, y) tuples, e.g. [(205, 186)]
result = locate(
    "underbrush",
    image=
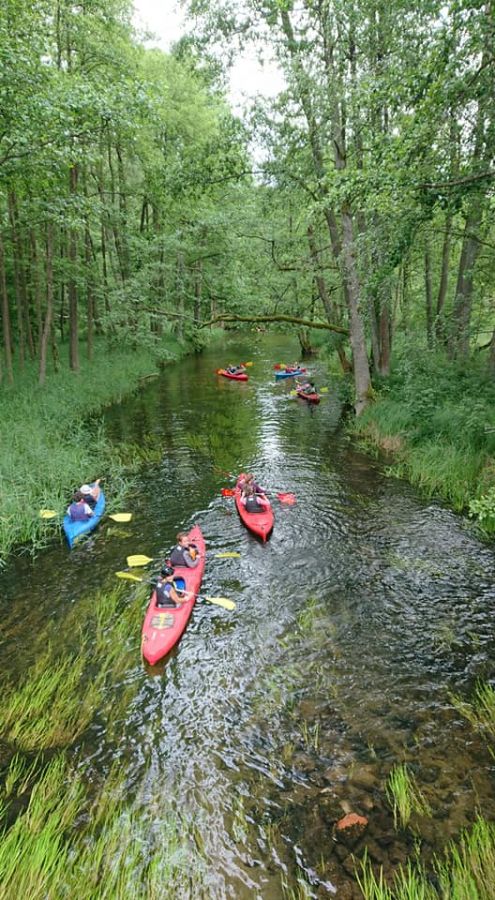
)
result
[(439, 419), (47, 446)]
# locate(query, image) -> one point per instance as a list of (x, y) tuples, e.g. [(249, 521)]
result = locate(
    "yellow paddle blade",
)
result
[(324, 390), (121, 517), (249, 364), (129, 576), (47, 513), (293, 393), (232, 555), (221, 601), (138, 560)]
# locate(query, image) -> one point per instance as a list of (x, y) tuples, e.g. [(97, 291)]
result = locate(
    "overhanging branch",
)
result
[(292, 320)]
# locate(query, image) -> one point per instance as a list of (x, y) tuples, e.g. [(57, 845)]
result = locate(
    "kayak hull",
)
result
[(285, 374), (163, 628), (260, 524), (310, 398), (74, 530), (241, 377)]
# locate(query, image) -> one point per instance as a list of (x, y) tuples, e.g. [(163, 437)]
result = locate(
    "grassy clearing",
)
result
[(439, 419), (466, 871), (47, 446)]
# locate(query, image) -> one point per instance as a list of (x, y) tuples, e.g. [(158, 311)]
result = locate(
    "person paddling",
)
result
[(184, 553), (307, 387), (79, 510), (167, 595), (91, 492), (253, 502)]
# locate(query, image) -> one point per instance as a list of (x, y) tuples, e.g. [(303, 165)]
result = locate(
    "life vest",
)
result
[(78, 513), (163, 598), (90, 500), (177, 557), (252, 505)]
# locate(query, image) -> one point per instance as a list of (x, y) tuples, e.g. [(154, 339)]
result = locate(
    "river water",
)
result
[(354, 625)]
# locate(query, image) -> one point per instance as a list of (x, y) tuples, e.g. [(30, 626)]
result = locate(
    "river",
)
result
[(354, 624)]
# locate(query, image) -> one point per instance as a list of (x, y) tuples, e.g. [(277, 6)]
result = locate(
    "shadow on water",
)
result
[(353, 626)]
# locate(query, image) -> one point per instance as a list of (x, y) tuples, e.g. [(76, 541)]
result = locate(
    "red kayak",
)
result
[(240, 377), (163, 628), (311, 398), (260, 524)]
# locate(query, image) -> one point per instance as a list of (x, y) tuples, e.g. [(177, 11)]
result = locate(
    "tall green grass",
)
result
[(466, 871), (437, 417), (58, 697), (480, 712), (47, 445), (66, 845), (405, 796)]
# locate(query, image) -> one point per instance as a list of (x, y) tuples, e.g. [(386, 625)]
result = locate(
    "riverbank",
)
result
[(437, 420), (52, 439)]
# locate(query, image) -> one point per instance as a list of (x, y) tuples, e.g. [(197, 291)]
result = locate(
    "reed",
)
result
[(62, 845), (438, 419), (465, 871), (405, 796), (480, 712), (48, 445)]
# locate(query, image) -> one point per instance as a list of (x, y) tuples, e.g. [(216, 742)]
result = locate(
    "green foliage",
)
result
[(440, 415), (465, 872), (405, 796), (483, 510)]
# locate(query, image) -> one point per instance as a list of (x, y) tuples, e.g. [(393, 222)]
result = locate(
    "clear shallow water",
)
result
[(354, 624)]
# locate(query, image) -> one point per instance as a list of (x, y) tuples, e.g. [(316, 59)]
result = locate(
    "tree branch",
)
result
[(292, 320)]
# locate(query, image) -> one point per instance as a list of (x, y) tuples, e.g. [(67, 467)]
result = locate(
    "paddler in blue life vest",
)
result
[(167, 595), (236, 370), (79, 510), (185, 553)]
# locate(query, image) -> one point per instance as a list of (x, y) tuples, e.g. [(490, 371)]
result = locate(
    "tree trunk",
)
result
[(90, 300), (72, 286), (17, 284), (429, 298), (179, 281), (362, 380), (444, 282), (6, 329), (461, 315), (198, 287), (332, 311), (47, 326), (36, 283), (491, 356)]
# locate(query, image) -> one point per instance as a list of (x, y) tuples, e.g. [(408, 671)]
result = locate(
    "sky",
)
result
[(248, 77)]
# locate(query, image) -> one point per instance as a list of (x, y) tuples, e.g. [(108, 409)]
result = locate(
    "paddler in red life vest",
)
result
[(185, 553), (79, 511)]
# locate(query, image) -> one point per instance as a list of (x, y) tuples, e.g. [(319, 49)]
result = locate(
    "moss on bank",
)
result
[(47, 445), (438, 420)]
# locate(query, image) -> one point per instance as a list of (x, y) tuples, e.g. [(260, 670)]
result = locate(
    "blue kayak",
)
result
[(73, 530), (284, 374)]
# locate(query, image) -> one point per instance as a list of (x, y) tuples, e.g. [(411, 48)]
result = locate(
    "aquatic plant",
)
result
[(465, 871), (405, 796), (62, 845), (480, 712)]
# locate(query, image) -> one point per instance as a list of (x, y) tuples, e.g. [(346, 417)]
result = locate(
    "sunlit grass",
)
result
[(64, 845), (405, 796), (480, 712), (466, 871), (57, 699), (46, 449)]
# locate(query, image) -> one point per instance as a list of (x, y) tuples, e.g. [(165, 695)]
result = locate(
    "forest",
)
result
[(133, 209), (327, 727)]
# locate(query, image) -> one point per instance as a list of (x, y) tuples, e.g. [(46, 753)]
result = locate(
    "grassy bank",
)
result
[(47, 446), (438, 421)]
